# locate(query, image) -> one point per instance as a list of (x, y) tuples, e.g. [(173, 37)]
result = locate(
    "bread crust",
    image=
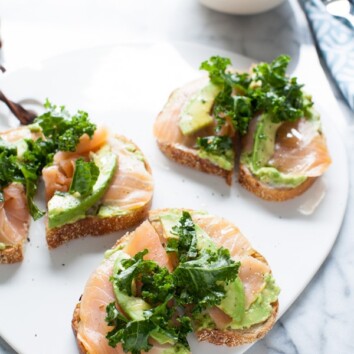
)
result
[(229, 338), (267, 192), (12, 254), (95, 226), (236, 337), (190, 158), (75, 327)]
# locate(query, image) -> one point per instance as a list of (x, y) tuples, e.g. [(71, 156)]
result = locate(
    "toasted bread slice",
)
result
[(221, 336), (133, 174), (181, 148), (240, 248), (270, 193), (14, 220), (233, 338), (12, 254), (299, 150), (14, 213), (190, 158)]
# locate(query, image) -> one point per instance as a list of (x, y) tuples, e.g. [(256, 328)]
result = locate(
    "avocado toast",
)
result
[(95, 183), (18, 178), (186, 124), (282, 149), (180, 271), (105, 185)]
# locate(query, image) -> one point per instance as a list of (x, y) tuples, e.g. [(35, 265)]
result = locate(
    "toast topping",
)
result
[(89, 183), (170, 274), (14, 216)]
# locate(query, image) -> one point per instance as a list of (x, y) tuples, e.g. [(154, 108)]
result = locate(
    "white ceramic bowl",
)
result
[(241, 7)]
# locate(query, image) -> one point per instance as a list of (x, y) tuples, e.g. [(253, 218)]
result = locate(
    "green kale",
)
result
[(216, 67), (156, 287), (218, 145), (267, 90), (186, 243), (158, 324), (277, 94), (132, 268), (61, 133), (115, 319), (85, 177), (63, 130), (25, 170), (200, 282)]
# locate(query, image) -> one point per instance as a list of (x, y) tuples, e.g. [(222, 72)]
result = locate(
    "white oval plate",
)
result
[(124, 87)]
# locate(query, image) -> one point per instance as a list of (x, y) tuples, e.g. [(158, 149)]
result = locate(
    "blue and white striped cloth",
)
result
[(335, 40)]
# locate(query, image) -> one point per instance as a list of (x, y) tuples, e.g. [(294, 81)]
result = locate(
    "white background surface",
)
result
[(321, 320), (124, 87)]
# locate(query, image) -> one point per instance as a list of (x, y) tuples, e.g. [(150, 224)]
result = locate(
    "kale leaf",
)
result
[(115, 319), (277, 94), (25, 169), (200, 282), (155, 287), (216, 67), (63, 130), (186, 243), (134, 335), (268, 89), (218, 145), (85, 177)]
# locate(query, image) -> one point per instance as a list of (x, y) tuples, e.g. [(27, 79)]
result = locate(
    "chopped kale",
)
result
[(218, 145), (198, 282), (60, 133), (268, 89), (186, 243), (63, 130)]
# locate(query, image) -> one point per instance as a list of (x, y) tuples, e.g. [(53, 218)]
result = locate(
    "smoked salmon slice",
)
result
[(58, 176), (166, 128), (300, 149), (14, 215), (98, 292)]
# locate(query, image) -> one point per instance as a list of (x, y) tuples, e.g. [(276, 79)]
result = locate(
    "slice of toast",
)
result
[(133, 211), (217, 336), (300, 150), (237, 337), (14, 220), (12, 254), (174, 144), (270, 193), (212, 335)]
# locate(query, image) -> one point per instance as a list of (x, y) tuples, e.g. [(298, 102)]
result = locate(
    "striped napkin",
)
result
[(335, 40)]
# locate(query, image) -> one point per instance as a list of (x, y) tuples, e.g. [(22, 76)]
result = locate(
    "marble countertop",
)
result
[(322, 319)]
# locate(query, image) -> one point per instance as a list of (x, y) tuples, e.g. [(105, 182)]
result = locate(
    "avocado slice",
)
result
[(65, 208), (196, 114), (171, 218), (264, 141), (263, 149), (234, 302), (261, 308), (132, 306)]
